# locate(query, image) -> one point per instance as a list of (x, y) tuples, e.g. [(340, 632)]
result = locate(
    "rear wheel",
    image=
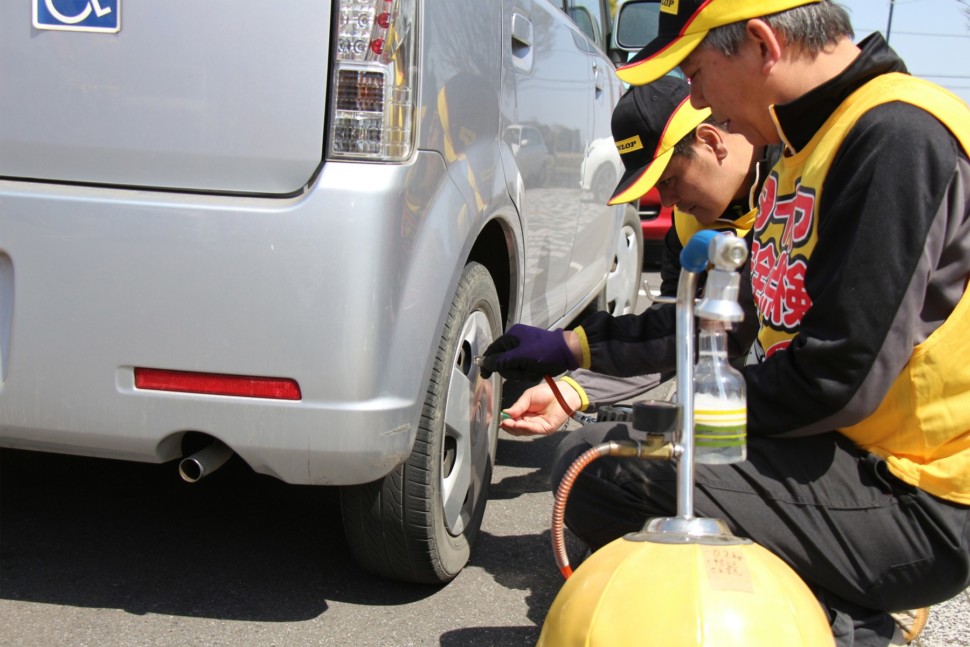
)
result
[(623, 279), (604, 183), (418, 523)]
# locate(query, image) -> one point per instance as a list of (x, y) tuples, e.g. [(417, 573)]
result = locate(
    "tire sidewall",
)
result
[(476, 293)]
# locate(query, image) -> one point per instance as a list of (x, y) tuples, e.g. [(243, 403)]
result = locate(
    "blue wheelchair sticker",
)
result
[(78, 15)]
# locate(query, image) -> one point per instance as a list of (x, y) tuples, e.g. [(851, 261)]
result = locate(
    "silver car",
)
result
[(283, 232)]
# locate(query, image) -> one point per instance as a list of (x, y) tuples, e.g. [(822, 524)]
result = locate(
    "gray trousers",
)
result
[(865, 542)]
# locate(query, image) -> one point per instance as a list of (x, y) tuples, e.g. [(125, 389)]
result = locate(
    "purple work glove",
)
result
[(528, 353)]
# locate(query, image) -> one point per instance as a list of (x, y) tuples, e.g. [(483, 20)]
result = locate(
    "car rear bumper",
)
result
[(321, 289)]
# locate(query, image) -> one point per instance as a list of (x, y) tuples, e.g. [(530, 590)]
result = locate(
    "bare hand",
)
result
[(537, 412)]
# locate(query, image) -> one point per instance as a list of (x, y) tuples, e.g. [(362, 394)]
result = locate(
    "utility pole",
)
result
[(889, 25)]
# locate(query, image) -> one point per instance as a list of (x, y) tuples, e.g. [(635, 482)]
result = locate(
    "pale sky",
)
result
[(931, 36)]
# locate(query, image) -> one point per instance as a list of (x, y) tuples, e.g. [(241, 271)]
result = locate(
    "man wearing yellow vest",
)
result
[(858, 470), (711, 178)]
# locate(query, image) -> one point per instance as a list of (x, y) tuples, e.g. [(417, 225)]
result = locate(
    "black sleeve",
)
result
[(647, 343), (867, 277), (632, 344), (670, 262)]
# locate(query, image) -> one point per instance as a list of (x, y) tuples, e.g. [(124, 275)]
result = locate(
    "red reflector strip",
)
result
[(276, 388)]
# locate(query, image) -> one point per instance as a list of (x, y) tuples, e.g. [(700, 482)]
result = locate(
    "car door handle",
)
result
[(522, 34), (598, 79)]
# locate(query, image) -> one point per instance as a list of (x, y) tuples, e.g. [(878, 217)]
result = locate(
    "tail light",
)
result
[(374, 81), (247, 386)]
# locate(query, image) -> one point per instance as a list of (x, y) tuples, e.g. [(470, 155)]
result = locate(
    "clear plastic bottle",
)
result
[(720, 404)]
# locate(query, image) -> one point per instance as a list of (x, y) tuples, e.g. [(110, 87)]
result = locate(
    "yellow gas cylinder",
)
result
[(632, 593), (682, 581)]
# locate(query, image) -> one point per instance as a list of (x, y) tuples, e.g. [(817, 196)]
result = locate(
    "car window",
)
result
[(584, 20), (511, 136), (588, 16), (531, 137)]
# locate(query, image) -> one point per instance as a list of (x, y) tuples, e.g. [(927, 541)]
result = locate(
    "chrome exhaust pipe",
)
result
[(204, 462)]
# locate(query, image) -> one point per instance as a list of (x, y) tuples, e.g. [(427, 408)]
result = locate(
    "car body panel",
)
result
[(539, 88), (167, 101), (181, 240)]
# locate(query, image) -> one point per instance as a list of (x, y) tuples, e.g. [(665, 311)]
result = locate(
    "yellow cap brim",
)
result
[(645, 182), (682, 122), (655, 65)]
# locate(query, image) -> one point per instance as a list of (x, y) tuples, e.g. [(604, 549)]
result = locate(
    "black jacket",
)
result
[(891, 261)]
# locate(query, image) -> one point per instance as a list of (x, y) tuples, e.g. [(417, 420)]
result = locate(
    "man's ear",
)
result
[(713, 137), (770, 44)]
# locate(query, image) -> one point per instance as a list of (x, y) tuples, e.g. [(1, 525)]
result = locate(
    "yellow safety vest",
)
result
[(686, 225), (922, 426)]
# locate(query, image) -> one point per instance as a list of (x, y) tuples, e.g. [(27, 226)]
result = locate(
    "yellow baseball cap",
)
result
[(647, 122), (682, 26)]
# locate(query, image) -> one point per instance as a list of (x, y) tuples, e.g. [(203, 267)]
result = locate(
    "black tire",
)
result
[(419, 522), (603, 183), (623, 279)]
